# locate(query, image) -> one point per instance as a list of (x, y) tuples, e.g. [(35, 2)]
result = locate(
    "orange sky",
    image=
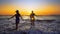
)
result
[(40, 7), (48, 10)]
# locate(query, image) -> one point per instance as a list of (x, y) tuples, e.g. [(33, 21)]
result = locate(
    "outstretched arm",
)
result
[(35, 14), (21, 17), (11, 17)]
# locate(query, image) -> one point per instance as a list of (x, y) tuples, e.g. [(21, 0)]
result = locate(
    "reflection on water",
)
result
[(38, 17), (25, 24)]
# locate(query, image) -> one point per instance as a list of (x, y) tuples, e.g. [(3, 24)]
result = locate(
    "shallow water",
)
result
[(41, 25)]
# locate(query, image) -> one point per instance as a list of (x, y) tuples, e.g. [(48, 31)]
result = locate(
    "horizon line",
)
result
[(29, 15)]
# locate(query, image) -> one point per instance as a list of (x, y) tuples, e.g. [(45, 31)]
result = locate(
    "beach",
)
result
[(43, 25)]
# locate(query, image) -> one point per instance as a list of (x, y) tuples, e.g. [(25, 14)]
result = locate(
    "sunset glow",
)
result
[(26, 6)]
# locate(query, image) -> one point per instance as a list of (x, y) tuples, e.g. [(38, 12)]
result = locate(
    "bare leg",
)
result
[(32, 22), (16, 26)]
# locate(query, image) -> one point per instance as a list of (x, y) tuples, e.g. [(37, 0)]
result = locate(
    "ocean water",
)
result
[(45, 24)]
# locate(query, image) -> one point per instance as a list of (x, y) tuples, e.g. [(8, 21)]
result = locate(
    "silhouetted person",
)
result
[(32, 18), (17, 15)]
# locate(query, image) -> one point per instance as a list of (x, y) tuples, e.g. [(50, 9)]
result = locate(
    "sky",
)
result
[(40, 7)]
